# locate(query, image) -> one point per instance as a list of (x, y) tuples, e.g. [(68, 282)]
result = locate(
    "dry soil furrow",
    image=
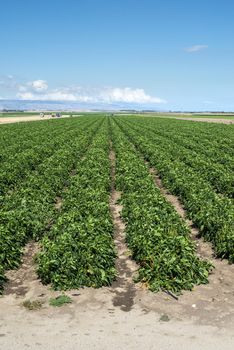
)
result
[(124, 289), (22, 280)]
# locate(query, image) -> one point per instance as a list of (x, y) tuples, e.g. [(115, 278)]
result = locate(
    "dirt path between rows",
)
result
[(123, 289)]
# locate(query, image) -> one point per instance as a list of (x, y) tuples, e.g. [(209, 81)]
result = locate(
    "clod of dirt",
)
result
[(58, 203)]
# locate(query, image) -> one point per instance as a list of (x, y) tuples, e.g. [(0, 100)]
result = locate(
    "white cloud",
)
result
[(38, 90), (39, 85), (128, 95), (196, 48)]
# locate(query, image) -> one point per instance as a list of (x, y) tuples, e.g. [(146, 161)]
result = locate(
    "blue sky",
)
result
[(171, 54)]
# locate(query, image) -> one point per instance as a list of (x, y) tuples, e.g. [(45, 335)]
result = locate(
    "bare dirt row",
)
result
[(124, 289), (208, 120), (28, 118)]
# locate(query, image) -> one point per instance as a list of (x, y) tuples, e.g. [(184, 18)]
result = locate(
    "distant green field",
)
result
[(165, 115), (17, 114), (27, 114)]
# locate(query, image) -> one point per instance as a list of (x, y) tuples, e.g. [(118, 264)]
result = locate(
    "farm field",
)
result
[(135, 213)]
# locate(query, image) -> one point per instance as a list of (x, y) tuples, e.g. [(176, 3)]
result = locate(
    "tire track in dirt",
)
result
[(124, 289)]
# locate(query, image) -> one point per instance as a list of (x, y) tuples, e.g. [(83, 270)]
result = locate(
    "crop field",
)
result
[(56, 182), (196, 116)]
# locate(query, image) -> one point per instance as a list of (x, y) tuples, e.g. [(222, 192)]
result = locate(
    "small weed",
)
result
[(127, 252), (32, 305), (60, 300), (164, 318)]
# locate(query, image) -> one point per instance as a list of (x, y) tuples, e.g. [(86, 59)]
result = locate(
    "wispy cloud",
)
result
[(8, 82), (35, 86), (39, 90), (196, 48)]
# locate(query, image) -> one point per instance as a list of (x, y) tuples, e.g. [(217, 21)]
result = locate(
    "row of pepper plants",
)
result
[(19, 161), (210, 140), (29, 211), (212, 213), (156, 235), (219, 175), (217, 138), (79, 249), (17, 137)]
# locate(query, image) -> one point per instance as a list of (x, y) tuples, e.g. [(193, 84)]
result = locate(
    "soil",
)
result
[(123, 289), (28, 118), (58, 203), (119, 317), (208, 120), (124, 315), (20, 281)]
